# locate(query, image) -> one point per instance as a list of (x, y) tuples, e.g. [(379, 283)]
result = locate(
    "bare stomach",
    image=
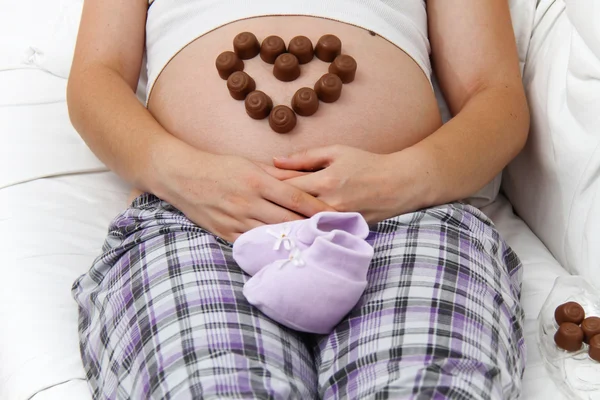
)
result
[(389, 106)]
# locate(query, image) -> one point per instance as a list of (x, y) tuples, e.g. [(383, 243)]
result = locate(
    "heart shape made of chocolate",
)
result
[(286, 67)]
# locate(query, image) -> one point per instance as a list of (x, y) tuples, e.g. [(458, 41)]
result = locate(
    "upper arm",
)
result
[(473, 48), (112, 34)]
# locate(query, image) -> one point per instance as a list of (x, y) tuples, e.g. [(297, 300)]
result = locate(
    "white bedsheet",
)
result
[(540, 269), (54, 228)]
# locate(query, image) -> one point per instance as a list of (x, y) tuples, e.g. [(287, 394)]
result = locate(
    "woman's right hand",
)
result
[(229, 195)]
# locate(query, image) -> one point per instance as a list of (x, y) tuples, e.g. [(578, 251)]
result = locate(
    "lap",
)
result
[(440, 316), (162, 315), (162, 311)]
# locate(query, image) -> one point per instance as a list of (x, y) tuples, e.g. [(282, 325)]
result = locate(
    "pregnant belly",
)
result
[(389, 106)]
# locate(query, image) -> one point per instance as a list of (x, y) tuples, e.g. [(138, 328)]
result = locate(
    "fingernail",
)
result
[(280, 158)]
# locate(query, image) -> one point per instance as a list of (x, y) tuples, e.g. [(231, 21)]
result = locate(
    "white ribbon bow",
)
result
[(283, 237), (295, 258)]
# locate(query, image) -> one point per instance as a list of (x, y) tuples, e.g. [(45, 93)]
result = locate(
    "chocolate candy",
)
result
[(590, 327), (240, 84), (595, 348), (344, 66), (329, 88), (282, 119), (286, 67), (569, 312), (328, 48), (227, 63), (271, 48), (258, 105), (569, 336), (305, 102), (302, 48), (246, 45)]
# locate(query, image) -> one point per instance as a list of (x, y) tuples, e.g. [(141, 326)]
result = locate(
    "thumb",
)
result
[(307, 160)]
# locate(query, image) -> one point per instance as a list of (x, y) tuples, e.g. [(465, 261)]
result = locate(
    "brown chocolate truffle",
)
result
[(328, 48), (595, 348), (329, 88), (258, 105), (282, 119), (590, 327), (569, 312), (302, 48), (569, 337), (305, 102), (286, 67), (246, 45), (344, 66), (271, 48), (240, 84), (227, 63)]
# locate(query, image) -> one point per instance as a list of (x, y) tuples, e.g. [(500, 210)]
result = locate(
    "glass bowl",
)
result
[(575, 373)]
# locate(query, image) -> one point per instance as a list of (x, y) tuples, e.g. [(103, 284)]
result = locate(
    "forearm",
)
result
[(467, 152), (118, 128)]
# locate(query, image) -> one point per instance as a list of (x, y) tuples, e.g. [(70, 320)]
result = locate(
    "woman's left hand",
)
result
[(348, 179)]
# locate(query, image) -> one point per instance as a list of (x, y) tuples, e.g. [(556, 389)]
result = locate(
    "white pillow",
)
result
[(30, 86), (39, 34), (54, 52), (38, 141), (22, 22), (37, 136), (554, 184)]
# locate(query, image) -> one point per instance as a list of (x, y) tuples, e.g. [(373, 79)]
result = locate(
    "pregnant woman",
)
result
[(162, 313)]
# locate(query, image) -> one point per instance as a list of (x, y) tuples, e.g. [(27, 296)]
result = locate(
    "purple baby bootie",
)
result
[(268, 243), (313, 289)]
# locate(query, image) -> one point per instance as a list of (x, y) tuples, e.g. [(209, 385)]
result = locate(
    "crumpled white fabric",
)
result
[(554, 184)]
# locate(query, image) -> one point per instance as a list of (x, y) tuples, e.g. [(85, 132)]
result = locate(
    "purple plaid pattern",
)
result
[(440, 318), (162, 316)]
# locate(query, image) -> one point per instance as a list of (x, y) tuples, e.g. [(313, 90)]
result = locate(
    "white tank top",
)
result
[(173, 24)]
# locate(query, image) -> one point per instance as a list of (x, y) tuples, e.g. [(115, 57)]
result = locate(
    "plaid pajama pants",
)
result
[(162, 316)]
